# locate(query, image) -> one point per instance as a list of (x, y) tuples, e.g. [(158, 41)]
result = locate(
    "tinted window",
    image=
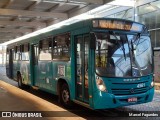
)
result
[(25, 51), (17, 53), (61, 47), (45, 47)]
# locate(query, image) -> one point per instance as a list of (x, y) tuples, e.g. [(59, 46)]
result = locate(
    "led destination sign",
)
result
[(118, 25)]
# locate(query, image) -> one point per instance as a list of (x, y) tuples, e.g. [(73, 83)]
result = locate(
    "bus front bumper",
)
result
[(105, 100)]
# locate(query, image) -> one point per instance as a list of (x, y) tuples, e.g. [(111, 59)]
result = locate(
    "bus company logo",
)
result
[(132, 90), (6, 114), (134, 73)]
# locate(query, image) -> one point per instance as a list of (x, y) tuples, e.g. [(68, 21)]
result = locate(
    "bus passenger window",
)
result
[(61, 47), (17, 53), (45, 49), (7, 55), (25, 51)]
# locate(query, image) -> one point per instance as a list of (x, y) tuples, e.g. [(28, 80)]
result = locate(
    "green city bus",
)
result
[(98, 63)]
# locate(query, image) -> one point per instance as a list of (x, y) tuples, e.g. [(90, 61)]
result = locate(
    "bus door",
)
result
[(11, 62), (45, 63), (34, 64), (82, 55)]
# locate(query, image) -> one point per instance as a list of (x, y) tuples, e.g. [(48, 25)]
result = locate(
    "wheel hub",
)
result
[(65, 95)]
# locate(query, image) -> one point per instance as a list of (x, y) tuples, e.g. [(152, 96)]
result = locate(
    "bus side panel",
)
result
[(45, 75), (15, 70), (49, 74), (54, 74), (49, 78), (61, 70)]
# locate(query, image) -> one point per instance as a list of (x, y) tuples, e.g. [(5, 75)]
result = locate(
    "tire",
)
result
[(19, 80), (65, 96)]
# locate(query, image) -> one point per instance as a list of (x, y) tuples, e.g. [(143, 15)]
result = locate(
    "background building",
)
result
[(146, 12)]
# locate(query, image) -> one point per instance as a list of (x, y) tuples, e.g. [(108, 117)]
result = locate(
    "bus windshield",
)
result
[(123, 55)]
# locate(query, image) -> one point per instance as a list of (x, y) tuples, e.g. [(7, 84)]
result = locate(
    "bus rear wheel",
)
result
[(65, 96), (19, 79)]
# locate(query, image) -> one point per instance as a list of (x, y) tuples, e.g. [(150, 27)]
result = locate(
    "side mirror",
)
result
[(92, 41)]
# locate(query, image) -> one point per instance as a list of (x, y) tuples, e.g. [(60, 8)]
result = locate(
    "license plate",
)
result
[(132, 99)]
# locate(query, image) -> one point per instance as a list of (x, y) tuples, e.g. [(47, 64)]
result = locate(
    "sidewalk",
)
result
[(15, 99)]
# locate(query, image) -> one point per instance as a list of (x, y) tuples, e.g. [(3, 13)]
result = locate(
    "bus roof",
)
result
[(103, 23)]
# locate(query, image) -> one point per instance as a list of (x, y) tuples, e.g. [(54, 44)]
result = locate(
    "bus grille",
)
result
[(129, 91)]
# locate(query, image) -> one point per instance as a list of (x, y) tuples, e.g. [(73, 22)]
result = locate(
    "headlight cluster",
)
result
[(100, 84), (152, 83)]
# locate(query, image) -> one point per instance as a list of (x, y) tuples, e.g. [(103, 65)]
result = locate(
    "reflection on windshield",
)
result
[(142, 55), (121, 55)]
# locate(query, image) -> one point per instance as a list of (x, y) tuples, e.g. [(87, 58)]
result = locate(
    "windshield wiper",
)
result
[(134, 62), (133, 41), (122, 44), (139, 35), (136, 38)]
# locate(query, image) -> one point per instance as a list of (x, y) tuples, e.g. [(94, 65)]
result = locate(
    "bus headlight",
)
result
[(100, 84), (152, 84)]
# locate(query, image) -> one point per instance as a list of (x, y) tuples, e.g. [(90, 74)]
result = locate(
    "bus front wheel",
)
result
[(65, 96)]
